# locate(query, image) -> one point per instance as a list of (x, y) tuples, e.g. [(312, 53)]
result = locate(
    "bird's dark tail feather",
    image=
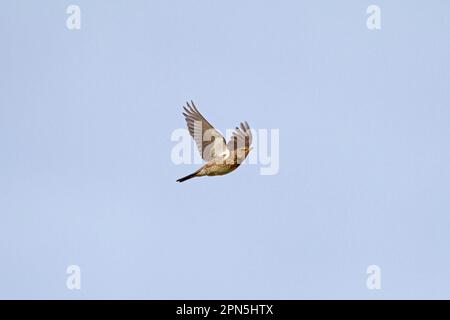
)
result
[(192, 175)]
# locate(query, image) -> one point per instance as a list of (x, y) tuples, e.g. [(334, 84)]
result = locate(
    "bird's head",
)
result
[(244, 151)]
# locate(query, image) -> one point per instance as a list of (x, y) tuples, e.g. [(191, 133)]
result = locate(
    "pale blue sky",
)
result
[(86, 176)]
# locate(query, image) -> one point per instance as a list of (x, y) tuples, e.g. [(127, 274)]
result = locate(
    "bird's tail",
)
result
[(190, 176)]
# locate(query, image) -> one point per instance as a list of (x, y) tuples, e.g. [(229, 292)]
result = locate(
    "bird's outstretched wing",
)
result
[(242, 137), (210, 142)]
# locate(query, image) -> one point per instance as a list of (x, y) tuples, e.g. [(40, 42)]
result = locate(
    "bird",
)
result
[(221, 157)]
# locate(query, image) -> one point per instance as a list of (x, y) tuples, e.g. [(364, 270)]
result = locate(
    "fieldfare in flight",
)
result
[(221, 157)]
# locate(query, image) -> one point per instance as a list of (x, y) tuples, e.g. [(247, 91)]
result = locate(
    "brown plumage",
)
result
[(221, 158)]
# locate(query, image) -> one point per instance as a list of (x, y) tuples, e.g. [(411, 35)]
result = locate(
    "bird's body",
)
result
[(221, 158)]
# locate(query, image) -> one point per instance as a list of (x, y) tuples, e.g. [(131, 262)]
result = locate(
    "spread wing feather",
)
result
[(210, 142), (242, 137)]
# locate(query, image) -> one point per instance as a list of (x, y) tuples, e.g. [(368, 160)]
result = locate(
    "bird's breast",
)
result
[(217, 169)]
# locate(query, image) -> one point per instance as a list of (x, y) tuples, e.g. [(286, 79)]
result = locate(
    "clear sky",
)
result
[(86, 176)]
